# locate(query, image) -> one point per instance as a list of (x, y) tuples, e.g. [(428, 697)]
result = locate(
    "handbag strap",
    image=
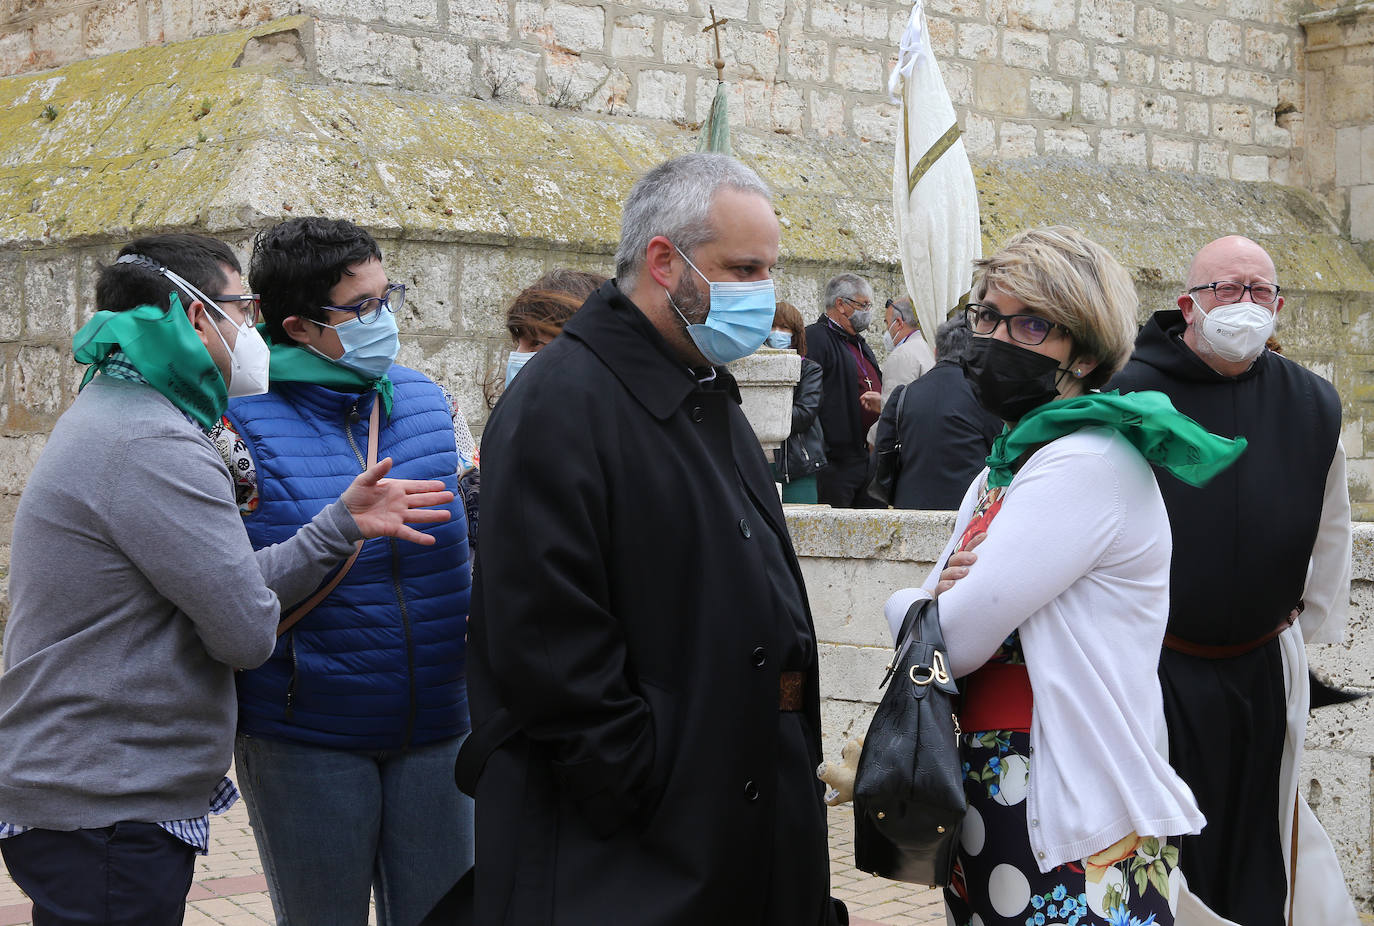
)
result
[(305, 607), (898, 396)]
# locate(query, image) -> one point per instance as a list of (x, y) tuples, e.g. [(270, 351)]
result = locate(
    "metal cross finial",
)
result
[(719, 62)]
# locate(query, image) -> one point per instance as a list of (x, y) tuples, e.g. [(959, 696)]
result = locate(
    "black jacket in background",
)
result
[(946, 436), (625, 614), (845, 437), (803, 453)]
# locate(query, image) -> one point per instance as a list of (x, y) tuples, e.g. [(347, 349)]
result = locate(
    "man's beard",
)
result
[(690, 301)]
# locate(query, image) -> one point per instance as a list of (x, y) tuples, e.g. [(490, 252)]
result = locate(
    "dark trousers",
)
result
[(841, 484), (129, 874)]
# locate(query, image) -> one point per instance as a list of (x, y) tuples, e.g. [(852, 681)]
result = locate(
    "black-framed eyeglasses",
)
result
[(252, 310), (369, 310), (1229, 291), (861, 306), (1024, 328)]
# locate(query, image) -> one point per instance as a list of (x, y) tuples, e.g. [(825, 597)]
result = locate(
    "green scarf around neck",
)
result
[(1166, 437), (165, 349), (292, 363)]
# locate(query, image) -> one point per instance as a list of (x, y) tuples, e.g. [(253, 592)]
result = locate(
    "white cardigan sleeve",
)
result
[(1062, 513)]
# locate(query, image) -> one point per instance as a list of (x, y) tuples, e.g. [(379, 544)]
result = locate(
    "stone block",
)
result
[(838, 18), (467, 368), (1367, 154), (112, 27), (684, 43), (1016, 140), (771, 13), (1094, 102), (18, 455), (50, 296), (959, 83), (1224, 41), (1266, 50), (1107, 20), (507, 73), (429, 272), (632, 36), (1072, 142), (1250, 10), (967, 9), (1026, 49), (57, 40), (1139, 67), (16, 52), (480, 19), (944, 39), (859, 69), (1352, 437), (847, 596), (1050, 16), (1253, 167), (1335, 784), (1118, 146), (1190, 37), (826, 111), (1107, 63), (1196, 117), (1152, 27), (661, 95), (877, 121), (1125, 101), (411, 13), (787, 108), (977, 41), (1232, 123), (756, 53), (1172, 154), (1051, 97), (575, 82), (807, 59), (1209, 80), (1269, 134), (578, 28), (1175, 74), (1071, 58), (1000, 89), (980, 134), (38, 385), (852, 673), (1159, 111), (1252, 85), (1350, 94), (1362, 213), (11, 277), (488, 278), (841, 720)]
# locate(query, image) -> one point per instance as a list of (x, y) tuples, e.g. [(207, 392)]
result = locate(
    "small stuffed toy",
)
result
[(840, 776)]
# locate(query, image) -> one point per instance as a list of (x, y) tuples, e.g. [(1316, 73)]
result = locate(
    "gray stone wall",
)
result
[(1207, 86)]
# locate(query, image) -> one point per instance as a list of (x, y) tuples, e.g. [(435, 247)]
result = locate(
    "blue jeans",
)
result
[(332, 825)]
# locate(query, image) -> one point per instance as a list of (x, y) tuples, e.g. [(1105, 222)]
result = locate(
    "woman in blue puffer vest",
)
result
[(347, 735)]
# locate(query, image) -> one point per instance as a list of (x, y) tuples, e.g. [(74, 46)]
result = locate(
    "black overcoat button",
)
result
[(697, 413), (744, 528), (760, 657), (751, 791)]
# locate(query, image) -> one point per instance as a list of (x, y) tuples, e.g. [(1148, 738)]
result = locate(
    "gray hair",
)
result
[(847, 286), (674, 200), (952, 339), (905, 311)]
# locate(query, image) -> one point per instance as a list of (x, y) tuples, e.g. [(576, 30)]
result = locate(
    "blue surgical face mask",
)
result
[(779, 340), (739, 319), (517, 359), (369, 349)]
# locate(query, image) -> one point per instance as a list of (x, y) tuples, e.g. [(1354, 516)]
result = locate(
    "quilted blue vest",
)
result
[(379, 664)]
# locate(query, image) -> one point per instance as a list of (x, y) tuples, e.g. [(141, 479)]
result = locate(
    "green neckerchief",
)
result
[(165, 350), (1166, 437), (292, 363)]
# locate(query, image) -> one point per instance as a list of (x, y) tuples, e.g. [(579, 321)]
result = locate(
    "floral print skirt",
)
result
[(996, 882)]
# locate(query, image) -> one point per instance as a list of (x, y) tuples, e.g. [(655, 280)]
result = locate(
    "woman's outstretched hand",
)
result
[(384, 507)]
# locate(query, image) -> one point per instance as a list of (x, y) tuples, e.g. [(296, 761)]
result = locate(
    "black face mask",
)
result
[(1009, 380)]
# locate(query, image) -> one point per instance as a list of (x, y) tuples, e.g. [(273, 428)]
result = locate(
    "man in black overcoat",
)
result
[(639, 625)]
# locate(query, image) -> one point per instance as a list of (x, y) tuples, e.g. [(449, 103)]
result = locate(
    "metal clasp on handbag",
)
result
[(935, 672)]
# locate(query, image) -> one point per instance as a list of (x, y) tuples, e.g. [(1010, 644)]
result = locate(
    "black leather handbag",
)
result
[(909, 799), (882, 486)]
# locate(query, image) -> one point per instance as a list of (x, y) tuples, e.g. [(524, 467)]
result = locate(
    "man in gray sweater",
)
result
[(136, 594)]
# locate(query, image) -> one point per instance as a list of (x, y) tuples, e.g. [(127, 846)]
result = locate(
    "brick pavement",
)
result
[(230, 890)]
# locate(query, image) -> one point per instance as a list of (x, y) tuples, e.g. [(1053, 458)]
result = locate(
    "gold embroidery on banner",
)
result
[(927, 161)]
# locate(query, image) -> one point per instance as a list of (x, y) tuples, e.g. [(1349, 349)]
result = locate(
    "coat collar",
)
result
[(626, 341)]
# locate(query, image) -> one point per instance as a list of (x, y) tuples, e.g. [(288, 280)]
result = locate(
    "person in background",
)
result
[(851, 390), (538, 314), (1074, 813), (136, 594), (1261, 565), (908, 356), (945, 433), (802, 455), (348, 733)]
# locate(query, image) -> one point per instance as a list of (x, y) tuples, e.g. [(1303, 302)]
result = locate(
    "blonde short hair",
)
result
[(1070, 280)]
